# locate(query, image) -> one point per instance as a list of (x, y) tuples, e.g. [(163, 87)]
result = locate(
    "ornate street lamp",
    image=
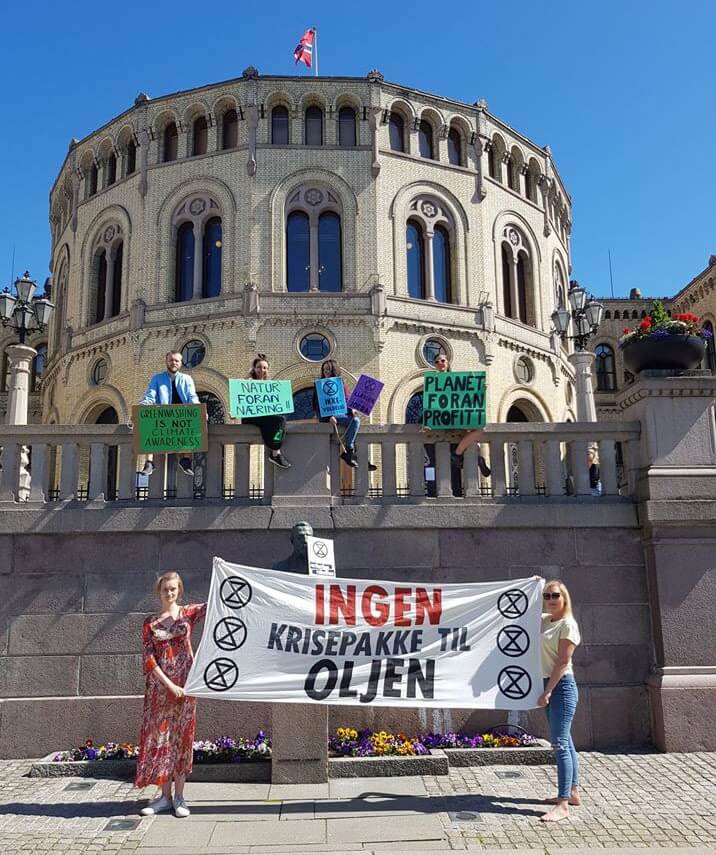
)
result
[(586, 314), (24, 312)]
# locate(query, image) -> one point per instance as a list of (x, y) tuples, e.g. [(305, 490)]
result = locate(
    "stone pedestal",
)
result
[(20, 358), (582, 361), (299, 734), (674, 470), (306, 484)]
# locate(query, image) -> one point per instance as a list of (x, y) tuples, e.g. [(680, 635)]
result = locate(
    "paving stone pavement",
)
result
[(632, 801)]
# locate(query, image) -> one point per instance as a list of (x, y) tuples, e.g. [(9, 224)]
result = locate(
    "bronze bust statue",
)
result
[(297, 561)]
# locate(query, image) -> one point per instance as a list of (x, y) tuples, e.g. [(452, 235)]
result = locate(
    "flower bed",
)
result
[(349, 742)]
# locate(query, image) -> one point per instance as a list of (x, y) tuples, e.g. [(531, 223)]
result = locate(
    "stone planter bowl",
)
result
[(678, 352)]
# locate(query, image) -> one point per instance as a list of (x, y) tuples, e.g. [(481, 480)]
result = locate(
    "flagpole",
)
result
[(315, 49)]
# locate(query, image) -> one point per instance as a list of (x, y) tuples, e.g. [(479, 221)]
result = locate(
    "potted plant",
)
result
[(663, 341)]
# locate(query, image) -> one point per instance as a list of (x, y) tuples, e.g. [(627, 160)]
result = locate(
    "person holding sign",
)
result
[(347, 419), (170, 387), (560, 637), (272, 428), (169, 719)]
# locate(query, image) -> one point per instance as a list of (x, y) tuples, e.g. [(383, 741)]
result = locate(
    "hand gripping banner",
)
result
[(273, 636)]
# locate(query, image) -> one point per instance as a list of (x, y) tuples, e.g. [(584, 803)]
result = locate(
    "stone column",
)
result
[(20, 358), (198, 257), (314, 278), (252, 114), (109, 284), (584, 393), (299, 734), (429, 267), (675, 480), (514, 291)]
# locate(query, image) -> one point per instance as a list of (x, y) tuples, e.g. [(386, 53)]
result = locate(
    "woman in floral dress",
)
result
[(169, 720)]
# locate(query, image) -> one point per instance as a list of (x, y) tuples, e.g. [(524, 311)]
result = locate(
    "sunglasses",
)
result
[(549, 596)]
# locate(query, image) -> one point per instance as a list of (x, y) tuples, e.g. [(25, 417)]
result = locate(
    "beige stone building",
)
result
[(301, 218)]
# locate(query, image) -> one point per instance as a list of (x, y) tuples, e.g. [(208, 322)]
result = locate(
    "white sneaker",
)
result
[(160, 805), (180, 808)]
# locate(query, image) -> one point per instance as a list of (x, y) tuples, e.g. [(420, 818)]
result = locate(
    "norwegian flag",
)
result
[(304, 49)]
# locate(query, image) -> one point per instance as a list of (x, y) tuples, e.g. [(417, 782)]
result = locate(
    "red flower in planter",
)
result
[(645, 324)]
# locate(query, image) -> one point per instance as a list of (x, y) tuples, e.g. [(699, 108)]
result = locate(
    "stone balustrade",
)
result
[(529, 461)]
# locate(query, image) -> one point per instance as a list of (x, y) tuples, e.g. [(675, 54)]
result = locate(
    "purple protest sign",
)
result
[(366, 393)]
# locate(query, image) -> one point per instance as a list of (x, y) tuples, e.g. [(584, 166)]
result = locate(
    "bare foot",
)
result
[(574, 799), (559, 812)]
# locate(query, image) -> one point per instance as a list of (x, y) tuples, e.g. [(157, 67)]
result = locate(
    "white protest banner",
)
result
[(321, 556), (273, 636)]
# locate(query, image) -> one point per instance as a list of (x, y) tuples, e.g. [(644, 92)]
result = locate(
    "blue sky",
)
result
[(623, 92)]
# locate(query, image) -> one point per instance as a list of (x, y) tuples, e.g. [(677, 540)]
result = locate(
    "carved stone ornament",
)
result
[(375, 76), (250, 73), (109, 233), (514, 238), (197, 206), (313, 196), (429, 209)]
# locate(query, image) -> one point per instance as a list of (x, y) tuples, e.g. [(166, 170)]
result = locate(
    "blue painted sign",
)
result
[(331, 397)]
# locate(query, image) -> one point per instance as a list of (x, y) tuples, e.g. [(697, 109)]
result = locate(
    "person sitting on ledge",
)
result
[(272, 428), (170, 387), (350, 421)]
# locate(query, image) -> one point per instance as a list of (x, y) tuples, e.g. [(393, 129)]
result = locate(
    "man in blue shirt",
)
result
[(170, 387)]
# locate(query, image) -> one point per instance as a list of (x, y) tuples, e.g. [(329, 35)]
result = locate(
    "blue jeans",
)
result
[(352, 426), (560, 712)]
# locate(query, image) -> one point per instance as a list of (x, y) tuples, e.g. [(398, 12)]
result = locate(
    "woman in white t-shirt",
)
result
[(560, 637)]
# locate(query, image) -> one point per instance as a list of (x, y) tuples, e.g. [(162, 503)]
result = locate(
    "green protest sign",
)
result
[(249, 398), (454, 400), (174, 427)]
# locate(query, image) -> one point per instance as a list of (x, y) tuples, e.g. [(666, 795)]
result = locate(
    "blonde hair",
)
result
[(170, 574), (566, 598)]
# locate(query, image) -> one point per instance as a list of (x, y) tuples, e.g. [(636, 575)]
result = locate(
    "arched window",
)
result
[(506, 277), (605, 368), (230, 129), (116, 306), (425, 139), (184, 276), (200, 140), (111, 169), (454, 146), (330, 268), (211, 280), (302, 406), (216, 414), (101, 287), (441, 265), (38, 366), (616, 315), (416, 260), (709, 360), (171, 143), (396, 131), (298, 252), (523, 273), (635, 315), (131, 157), (607, 315), (414, 409), (347, 127), (92, 180), (313, 126), (510, 173), (494, 162), (279, 125), (517, 277)]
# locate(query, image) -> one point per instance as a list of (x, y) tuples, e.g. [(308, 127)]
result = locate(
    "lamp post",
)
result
[(585, 315), (26, 314)]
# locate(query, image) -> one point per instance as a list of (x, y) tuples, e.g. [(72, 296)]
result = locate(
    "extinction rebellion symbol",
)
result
[(320, 550), (513, 603), (230, 633), (514, 682), (330, 387), (221, 675), (235, 592), (513, 641)]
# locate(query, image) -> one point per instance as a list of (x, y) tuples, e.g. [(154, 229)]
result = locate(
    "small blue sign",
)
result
[(331, 397)]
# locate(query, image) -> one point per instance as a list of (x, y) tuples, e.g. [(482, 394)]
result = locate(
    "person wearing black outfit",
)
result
[(272, 428)]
